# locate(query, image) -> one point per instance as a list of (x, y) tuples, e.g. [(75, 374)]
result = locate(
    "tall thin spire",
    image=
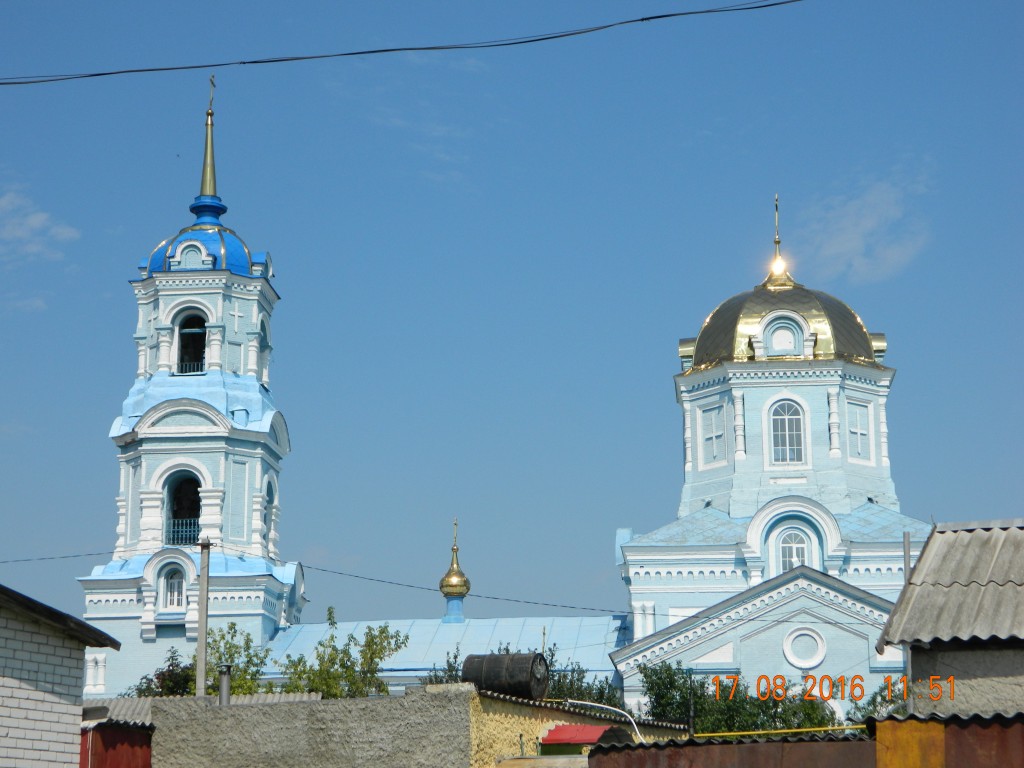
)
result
[(778, 277), (208, 185), (778, 240)]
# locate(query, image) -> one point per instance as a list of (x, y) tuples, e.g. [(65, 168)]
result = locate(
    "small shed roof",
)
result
[(966, 584), (64, 623), (575, 734)]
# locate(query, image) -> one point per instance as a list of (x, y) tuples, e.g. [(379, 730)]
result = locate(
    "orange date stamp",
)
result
[(828, 688)]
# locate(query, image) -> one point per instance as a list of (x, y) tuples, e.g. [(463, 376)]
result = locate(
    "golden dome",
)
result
[(731, 330), (454, 583)]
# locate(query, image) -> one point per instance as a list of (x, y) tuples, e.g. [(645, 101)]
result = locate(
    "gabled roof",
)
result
[(966, 584), (811, 576), (64, 623)]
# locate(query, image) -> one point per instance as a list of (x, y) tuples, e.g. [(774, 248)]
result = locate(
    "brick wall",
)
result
[(40, 693)]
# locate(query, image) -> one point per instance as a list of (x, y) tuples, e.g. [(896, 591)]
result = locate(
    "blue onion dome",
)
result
[(206, 244)]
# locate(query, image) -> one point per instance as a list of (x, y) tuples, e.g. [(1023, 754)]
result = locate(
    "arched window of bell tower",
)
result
[(192, 344), (183, 510)]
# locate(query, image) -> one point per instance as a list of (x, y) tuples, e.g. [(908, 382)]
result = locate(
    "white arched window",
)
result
[(793, 550), (173, 589), (787, 429)]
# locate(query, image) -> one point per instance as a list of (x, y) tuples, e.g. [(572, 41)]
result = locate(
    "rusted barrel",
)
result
[(524, 675)]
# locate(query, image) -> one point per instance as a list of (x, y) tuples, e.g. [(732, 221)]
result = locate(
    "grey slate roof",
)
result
[(65, 623), (138, 711), (966, 584)]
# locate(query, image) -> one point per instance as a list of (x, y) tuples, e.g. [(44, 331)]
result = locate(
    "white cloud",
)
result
[(13, 303), (865, 235), (29, 234)]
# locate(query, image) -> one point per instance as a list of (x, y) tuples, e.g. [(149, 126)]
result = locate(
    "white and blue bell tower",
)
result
[(200, 444)]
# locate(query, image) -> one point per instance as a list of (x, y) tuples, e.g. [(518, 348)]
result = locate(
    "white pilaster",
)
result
[(739, 426), (833, 423)]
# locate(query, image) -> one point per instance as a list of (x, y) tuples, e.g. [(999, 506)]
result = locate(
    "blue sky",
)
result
[(487, 257)]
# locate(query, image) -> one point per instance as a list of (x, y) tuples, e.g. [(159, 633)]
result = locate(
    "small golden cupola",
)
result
[(454, 584)]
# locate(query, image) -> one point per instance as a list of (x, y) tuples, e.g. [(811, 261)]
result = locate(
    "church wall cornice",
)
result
[(653, 648)]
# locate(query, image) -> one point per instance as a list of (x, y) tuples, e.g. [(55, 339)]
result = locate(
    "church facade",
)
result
[(200, 444), (787, 549), (784, 558)]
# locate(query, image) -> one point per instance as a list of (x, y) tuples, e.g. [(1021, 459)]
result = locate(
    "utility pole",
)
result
[(204, 609)]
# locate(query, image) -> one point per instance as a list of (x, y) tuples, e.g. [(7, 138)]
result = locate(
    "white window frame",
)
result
[(172, 590), (812, 539), (768, 434), (797, 540)]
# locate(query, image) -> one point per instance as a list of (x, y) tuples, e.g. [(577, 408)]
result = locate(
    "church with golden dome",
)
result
[(788, 545)]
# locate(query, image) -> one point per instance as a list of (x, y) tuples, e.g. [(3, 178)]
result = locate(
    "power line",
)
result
[(55, 557), (420, 587), (753, 5)]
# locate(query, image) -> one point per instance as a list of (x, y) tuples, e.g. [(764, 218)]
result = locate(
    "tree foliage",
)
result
[(878, 704), (223, 646), (452, 672), (172, 679), (671, 691), (248, 661), (348, 670)]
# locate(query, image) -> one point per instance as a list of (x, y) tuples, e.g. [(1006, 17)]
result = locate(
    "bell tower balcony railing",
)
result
[(194, 367), (183, 532)]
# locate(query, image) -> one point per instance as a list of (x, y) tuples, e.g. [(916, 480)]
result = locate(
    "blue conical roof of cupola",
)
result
[(220, 248)]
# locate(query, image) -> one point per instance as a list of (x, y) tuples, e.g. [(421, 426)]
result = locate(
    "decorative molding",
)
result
[(834, 449), (741, 612)]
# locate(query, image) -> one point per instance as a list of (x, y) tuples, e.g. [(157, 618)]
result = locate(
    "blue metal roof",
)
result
[(584, 639), (221, 564), (705, 526), (871, 522)]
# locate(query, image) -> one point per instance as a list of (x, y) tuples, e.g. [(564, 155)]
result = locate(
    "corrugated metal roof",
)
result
[(857, 735), (596, 714), (966, 584), (997, 717), (575, 734), (138, 711)]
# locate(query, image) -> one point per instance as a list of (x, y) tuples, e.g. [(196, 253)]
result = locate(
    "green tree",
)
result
[(672, 691), (172, 679), (452, 672), (879, 704), (349, 670), (572, 681), (248, 661)]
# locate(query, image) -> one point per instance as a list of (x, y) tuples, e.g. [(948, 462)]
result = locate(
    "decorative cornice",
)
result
[(741, 612)]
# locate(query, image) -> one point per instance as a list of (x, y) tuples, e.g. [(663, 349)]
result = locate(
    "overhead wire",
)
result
[(752, 5), (422, 588)]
